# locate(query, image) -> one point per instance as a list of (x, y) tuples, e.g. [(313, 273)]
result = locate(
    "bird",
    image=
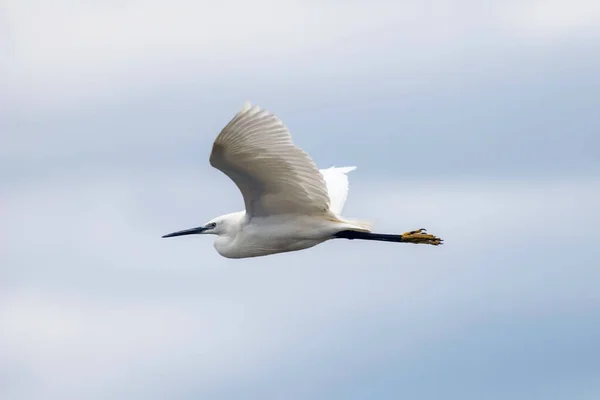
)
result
[(290, 204)]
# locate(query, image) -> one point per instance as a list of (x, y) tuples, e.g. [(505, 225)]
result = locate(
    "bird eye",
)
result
[(212, 224)]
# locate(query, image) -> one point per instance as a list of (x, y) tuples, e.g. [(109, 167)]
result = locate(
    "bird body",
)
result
[(290, 205), (274, 234), (244, 236)]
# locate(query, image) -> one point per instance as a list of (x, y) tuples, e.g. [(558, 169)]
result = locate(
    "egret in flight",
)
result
[(290, 204)]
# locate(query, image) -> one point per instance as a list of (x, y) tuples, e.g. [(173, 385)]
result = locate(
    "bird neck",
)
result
[(233, 222)]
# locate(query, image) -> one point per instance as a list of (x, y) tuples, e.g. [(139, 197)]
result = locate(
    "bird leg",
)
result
[(421, 237), (416, 237)]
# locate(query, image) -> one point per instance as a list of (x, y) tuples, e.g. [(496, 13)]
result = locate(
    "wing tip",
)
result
[(246, 106)]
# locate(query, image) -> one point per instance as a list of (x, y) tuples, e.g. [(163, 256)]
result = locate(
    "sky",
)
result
[(477, 121)]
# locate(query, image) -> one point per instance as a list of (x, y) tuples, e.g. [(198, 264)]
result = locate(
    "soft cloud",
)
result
[(103, 297), (102, 46), (85, 343), (556, 17), (103, 302), (476, 121), (387, 85), (65, 53)]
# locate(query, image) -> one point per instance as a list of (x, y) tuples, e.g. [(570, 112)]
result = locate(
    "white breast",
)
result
[(277, 234)]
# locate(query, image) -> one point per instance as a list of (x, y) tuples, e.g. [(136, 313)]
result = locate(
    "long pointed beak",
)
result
[(193, 231)]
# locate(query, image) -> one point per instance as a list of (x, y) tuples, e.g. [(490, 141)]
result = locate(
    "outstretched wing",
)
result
[(274, 175)]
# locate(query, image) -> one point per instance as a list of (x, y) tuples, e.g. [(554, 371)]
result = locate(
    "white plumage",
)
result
[(275, 176), (289, 203), (337, 184)]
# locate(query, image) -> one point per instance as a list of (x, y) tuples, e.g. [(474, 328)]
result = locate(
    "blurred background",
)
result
[(476, 120)]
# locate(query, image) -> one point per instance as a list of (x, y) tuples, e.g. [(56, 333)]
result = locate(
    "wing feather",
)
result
[(337, 186), (275, 176)]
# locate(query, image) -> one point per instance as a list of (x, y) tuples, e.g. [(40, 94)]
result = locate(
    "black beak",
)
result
[(193, 231)]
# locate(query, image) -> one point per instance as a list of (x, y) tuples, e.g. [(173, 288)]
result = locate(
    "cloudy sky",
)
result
[(477, 120)]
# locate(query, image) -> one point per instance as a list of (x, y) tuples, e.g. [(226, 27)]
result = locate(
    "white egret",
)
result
[(290, 204)]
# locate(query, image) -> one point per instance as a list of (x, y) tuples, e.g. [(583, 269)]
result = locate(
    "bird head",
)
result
[(216, 226), (211, 227)]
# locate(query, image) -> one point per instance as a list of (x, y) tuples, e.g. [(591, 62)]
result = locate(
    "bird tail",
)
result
[(359, 225)]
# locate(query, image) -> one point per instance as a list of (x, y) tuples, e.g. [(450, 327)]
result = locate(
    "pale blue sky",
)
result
[(477, 122)]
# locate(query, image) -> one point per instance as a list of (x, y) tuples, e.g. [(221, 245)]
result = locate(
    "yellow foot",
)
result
[(420, 237)]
